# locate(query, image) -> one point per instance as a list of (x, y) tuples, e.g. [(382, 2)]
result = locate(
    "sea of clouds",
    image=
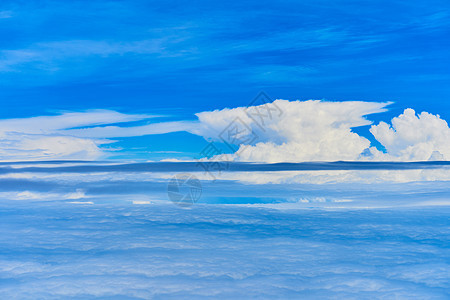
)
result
[(75, 230), (54, 250)]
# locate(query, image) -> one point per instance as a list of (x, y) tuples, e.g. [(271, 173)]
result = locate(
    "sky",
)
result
[(168, 62), (224, 150)]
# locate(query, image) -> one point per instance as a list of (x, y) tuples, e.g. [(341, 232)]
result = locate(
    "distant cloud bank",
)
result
[(311, 130)]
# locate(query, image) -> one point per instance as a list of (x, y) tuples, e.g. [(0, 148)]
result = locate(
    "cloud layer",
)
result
[(413, 137), (73, 251), (282, 131)]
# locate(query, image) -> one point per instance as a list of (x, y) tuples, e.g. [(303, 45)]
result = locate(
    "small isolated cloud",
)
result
[(78, 194)]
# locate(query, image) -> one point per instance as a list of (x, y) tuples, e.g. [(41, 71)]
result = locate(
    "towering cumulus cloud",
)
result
[(306, 131), (413, 137), (322, 131)]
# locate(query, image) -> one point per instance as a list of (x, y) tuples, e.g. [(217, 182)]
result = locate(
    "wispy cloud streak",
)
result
[(233, 167)]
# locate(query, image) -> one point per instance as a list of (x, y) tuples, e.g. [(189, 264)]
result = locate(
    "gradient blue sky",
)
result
[(178, 58), (84, 82)]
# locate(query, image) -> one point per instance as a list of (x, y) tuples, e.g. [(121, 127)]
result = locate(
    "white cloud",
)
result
[(41, 147), (50, 124), (332, 177), (306, 131), (414, 137), (78, 194), (42, 196), (296, 131), (322, 131), (50, 55), (117, 131), (43, 137)]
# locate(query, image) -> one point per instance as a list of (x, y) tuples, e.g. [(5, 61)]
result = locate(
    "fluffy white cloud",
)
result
[(322, 131), (282, 131), (413, 137), (304, 131)]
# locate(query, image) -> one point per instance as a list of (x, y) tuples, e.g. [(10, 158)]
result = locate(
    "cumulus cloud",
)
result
[(305, 130), (413, 137), (282, 131), (323, 131)]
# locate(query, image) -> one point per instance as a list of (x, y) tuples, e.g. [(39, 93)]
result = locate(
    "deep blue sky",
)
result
[(182, 57)]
